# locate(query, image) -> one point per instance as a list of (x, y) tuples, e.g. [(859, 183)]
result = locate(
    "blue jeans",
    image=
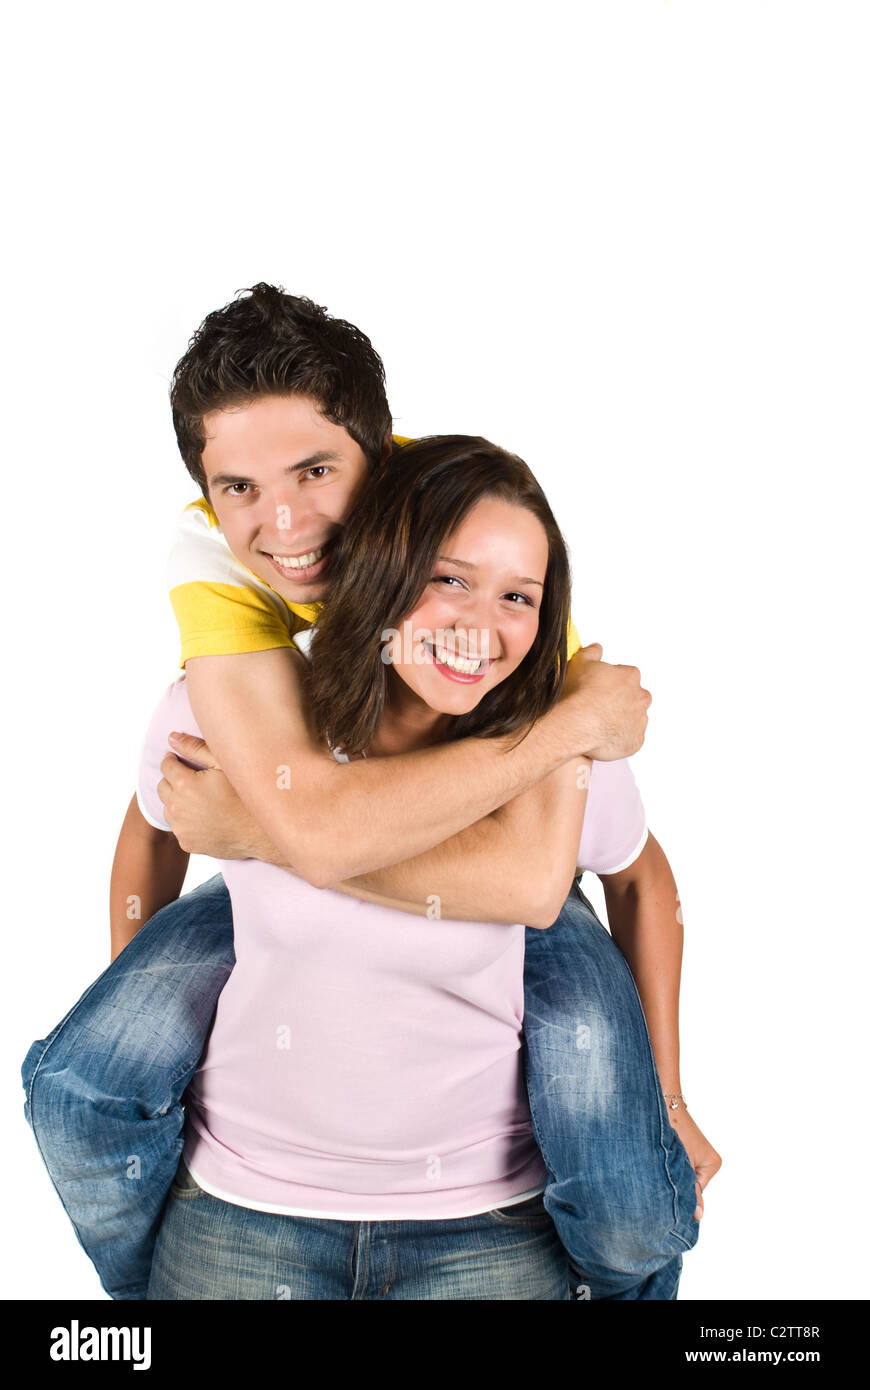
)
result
[(104, 1099), (621, 1187), (210, 1249)]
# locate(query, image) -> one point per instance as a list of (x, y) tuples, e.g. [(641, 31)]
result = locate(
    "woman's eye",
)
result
[(452, 579)]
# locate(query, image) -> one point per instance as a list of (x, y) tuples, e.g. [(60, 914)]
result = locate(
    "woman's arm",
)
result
[(643, 911), (642, 908), (147, 873)]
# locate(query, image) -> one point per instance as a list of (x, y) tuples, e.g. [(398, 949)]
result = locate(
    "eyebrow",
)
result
[(323, 456), (466, 565)]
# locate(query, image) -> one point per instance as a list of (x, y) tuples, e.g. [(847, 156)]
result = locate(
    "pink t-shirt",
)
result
[(364, 1063)]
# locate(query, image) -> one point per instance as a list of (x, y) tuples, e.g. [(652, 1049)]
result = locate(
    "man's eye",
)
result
[(319, 468), (232, 489)]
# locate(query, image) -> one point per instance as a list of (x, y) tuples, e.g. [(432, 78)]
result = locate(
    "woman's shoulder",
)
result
[(614, 826)]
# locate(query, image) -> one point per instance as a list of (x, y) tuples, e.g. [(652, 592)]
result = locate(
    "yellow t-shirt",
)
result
[(223, 608)]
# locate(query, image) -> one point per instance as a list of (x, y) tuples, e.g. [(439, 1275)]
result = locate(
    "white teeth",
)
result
[(299, 562), (463, 665)]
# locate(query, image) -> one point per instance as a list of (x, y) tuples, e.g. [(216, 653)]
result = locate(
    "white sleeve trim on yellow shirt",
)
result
[(200, 555), (303, 640)]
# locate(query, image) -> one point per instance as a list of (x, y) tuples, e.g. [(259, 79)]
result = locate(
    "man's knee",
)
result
[(29, 1069), (105, 1062)]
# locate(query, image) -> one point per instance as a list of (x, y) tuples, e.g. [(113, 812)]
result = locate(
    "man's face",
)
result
[(282, 479)]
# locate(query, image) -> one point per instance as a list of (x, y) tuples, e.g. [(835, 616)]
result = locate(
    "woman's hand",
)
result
[(702, 1156), (206, 815)]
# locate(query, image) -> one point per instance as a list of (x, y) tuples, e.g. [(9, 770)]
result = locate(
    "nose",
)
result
[(476, 633), (284, 516)]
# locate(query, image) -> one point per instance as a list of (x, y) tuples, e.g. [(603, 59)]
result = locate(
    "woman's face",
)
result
[(478, 617)]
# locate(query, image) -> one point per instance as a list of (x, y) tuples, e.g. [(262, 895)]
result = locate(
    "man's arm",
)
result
[(334, 822), (515, 865), (147, 873)]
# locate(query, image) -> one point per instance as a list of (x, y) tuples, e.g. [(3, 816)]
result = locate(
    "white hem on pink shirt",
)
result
[(631, 858), (276, 1210)]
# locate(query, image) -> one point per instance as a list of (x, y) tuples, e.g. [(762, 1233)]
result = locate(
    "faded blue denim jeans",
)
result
[(104, 1099), (211, 1249)]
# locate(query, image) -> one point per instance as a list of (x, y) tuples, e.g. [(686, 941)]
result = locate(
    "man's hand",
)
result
[(206, 815), (611, 700)]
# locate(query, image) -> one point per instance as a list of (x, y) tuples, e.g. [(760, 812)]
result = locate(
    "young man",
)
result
[(280, 415)]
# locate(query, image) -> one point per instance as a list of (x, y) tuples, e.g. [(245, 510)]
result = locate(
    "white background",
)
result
[(628, 241)]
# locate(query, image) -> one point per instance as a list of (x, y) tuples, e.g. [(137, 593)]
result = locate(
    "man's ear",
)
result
[(386, 447)]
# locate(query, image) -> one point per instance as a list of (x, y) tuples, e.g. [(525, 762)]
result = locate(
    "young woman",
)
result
[(358, 1126)]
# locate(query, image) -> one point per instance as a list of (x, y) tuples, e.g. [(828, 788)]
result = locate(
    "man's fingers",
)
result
[(593, 652), (169, 766), (194, 749), (699, 1209)]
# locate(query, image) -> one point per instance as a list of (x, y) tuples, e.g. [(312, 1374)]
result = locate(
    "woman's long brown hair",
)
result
[(383, 561)]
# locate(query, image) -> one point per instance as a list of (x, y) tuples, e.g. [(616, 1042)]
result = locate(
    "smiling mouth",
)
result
[(469, 667), (303, 566)]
